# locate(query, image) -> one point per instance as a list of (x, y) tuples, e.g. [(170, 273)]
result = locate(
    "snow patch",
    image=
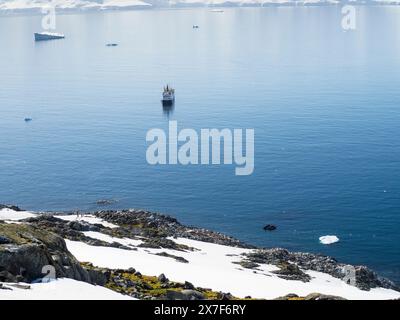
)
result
[(106, 238), (61, 289), (87, 218), (11, 215), (211, 267)]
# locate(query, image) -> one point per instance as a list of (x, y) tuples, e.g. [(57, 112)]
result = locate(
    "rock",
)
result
[(192, 295), (83, 226), (153, 225), (4, 240), (269, 227), (6, 206), (105, 202), (177, 258), (225, 296), (20, 286), (184, 295), (365, 278), (31, 250), (99, 277), (188, 285), (247, 264), (6, 276), (3, 287), (291, 271), (162, 278), (318, 296), (155, 242), (289, 296)]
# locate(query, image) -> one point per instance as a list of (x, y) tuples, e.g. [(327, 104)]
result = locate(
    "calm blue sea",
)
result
[(324, 104)]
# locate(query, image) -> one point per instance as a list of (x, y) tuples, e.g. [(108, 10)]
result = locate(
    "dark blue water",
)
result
[(324, 104)]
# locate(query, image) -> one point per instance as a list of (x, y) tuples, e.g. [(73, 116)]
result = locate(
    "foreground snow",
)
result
[(211, 267), (61, 289)]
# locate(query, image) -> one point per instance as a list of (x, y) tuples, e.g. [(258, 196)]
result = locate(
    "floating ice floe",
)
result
[(328, 239)]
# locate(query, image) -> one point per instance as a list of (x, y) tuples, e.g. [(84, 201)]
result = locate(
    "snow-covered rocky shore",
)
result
[(135, 254)]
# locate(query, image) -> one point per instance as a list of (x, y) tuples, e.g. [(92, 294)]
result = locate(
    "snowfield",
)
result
[(211, 267), (9, 215), (61, 289)]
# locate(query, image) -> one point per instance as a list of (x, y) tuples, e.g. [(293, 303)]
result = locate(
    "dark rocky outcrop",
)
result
[(26, 248), (177, 258), (133, 283), (145, 223), (30, 250), (290, 271), (162, 278), (4, 240), (184, 295), (365, 278), (319, 296), (7, 206), (72, 230), (311, 296)]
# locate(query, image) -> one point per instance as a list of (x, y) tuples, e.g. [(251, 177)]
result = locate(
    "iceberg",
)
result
[(328, 239)]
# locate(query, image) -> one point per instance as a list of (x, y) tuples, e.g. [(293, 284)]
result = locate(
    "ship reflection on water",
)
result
[(168, 110)]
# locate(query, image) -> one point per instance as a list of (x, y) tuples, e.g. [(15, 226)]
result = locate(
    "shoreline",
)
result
[(91, 234)]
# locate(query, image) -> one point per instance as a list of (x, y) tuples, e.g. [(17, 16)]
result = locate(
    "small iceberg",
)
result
[(328, 239), (44, 36)]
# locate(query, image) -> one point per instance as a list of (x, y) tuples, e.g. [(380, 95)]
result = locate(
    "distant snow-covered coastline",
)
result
[(36, 6)]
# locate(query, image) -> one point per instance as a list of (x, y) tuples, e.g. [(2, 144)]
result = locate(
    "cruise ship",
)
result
[(168, 96), (43, 36)]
